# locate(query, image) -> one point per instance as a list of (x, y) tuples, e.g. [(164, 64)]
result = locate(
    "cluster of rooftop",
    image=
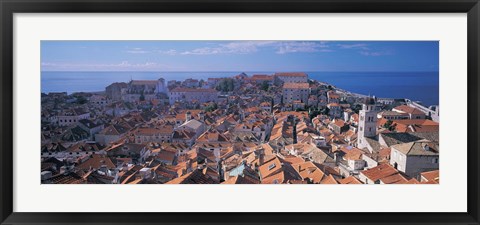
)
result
[(281, 128)]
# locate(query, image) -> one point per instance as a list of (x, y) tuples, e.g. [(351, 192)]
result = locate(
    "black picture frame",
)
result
[(9, 7)]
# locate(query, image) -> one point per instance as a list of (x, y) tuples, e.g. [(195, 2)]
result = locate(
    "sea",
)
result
[(416, 86)]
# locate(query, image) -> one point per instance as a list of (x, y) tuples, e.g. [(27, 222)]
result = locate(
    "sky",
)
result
[(307, 56)]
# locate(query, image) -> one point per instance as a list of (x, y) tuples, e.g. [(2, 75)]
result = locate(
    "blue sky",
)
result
[(358, 56)]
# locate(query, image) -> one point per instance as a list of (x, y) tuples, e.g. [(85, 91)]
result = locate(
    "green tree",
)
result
[(225, 85), (265, 86), (357, 108), (211, 107), (81, 100), (389, 125), (325, 111)]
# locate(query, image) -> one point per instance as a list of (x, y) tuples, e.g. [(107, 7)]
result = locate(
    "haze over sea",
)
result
[(417, 86)]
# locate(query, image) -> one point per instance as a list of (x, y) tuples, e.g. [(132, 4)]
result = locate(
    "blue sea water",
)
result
[(418, 86)]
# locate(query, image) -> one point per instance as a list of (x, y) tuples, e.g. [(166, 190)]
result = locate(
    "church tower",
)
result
[(367, 122), (160, 88)]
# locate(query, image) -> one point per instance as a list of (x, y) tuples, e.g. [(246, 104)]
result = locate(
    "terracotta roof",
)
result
[(153, 131), (409, 110), (291, 74), (167, 156), (329, 180), (269, 168), (241, 180), (394, 179), (195, 177), (209, 136), (308, 170), (95, 162), (339, 122), (379, 172), (431, 176), (333, 105), (261, 77), (114, 130), (423, 122), (183, 134), (296, 85), (355, 117), (276, 178), (71, 178), (412, 181), (292, 159), (349, 180), (351, 153)]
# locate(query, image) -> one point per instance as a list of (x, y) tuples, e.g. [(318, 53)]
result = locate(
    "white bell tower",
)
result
[(160, 88), (367, 122)]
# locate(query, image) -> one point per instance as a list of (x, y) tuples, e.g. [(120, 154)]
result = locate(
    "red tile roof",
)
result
[(291, 74), (408, 109), (296, 85), (350, 180), (379, 172)]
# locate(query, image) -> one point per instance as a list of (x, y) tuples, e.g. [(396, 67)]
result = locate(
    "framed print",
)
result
[(263, 112)]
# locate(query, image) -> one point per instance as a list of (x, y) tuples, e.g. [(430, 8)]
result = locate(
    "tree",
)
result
[(357, 108), (389, 125), (225, 85), (81, 100), (265, 86), (211, 107), (313, 114), (325, 111), (142, 97)]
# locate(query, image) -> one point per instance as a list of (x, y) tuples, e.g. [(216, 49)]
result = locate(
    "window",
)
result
[(394, 154), (435, 160), (271, 166)]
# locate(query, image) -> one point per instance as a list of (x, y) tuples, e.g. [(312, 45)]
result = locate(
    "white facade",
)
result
[(190, 94), (280, 78), (413, 165), (70, 118), (295, 92), (367, 124)]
